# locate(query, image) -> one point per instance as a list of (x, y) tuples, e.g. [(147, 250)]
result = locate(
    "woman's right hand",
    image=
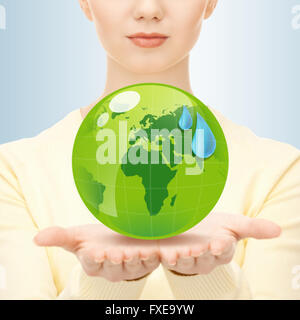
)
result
[(103, 252)]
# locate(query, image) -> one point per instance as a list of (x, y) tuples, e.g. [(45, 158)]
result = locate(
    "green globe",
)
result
[(150, 161)]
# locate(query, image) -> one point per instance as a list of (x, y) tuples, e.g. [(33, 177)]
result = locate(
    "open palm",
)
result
[(212, 242), (103, 252)]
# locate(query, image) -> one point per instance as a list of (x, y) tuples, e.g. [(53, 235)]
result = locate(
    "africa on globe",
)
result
[(150, 161)]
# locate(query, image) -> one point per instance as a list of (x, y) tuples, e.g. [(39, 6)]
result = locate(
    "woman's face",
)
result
[(180, 20)]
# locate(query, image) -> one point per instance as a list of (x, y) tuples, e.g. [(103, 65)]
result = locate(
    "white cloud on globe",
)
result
[(124, 101), (102, 120)]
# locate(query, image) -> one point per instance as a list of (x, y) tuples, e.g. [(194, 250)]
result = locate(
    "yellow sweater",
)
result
[(37, 191)]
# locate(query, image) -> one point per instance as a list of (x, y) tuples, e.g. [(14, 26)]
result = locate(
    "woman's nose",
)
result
[(148, 10)]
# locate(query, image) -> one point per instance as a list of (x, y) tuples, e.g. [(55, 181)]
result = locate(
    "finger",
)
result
[(133, 266), (146, 253), (205, 263), (115, 255), (185, 264), (58, 237), (88, 263), (199, 249), (100, 256), (169, 255), (130, 253), (183, 252), (226, 256), (151, 263), (219, 246), (245, 227), (112, 272)]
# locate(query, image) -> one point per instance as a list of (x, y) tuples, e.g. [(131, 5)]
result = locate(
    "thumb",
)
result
[(245, 227), (56, 237)]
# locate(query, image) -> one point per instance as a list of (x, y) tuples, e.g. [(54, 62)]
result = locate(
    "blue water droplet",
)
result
[(204, 142), (186, 120)]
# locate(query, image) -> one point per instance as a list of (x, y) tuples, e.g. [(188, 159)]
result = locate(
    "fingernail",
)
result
[(186, 258), (100, 260), (198, 255), (145, 258), (115, 262)]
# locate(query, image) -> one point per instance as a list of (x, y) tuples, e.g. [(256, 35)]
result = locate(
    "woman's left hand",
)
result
[(212, 242)]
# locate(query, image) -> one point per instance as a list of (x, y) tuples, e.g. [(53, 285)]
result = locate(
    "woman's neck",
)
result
[(118, 77)]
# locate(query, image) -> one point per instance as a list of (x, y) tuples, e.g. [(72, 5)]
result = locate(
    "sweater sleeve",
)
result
[(271, 268), (225, 282), (25, 269)]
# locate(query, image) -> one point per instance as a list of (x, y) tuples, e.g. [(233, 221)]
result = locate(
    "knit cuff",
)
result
[(83, 287), (221, 283)]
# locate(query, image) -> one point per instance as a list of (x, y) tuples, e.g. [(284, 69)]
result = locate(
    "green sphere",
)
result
[(150, 161)]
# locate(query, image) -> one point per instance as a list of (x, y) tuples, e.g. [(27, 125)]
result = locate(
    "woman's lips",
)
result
[(144, 42)]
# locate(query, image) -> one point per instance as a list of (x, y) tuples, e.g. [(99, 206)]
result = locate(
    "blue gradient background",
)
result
[(245, 64)]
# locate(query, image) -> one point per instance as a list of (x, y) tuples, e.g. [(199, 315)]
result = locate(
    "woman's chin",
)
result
[(146, 67)]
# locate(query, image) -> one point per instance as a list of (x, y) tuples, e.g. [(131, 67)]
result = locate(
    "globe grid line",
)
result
[(182, 212), (155, 188)]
